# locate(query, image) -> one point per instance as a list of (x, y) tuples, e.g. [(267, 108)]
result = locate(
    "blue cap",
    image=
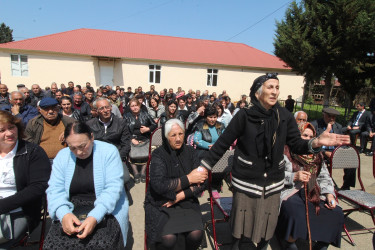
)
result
[(48, 102)]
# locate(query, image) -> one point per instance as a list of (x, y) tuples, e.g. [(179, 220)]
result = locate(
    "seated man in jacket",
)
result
[(357, 123), (368, 134), (18, 108), (109, 128), (47, 129)]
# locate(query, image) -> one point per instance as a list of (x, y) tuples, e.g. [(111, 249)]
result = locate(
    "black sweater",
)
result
[(32, 170), (249, 173)]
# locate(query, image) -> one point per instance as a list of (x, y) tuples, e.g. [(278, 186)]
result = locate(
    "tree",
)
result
[(327, 39), (5, 33)]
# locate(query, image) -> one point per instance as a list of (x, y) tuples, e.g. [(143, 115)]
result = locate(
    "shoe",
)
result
[(345, 188), (143, 178), (361, 151), (137, 178), (370, 153)]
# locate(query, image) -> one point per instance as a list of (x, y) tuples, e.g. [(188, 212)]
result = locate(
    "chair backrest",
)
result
[(156, 137), (225, 163), (345, 156)]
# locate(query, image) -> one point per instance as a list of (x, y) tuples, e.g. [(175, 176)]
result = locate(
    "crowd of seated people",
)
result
[(68, 126)]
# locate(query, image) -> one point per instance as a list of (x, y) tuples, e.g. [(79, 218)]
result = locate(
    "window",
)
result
[(20, 66), (212, 77), (155, 71)]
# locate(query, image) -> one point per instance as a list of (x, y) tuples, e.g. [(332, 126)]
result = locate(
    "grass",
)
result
[(314, 112)]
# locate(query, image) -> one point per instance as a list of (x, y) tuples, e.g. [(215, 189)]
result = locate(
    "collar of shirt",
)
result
[(12, 153)]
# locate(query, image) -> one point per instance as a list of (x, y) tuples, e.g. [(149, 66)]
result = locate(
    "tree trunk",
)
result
[(327, 89)]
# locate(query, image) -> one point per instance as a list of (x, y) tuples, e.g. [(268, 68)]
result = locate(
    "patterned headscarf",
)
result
[(311, 163)]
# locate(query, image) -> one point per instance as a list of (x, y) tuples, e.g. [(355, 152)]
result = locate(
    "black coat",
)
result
[(320, 126), (117, 134), (164, 179), (32, 170), (250, 173)]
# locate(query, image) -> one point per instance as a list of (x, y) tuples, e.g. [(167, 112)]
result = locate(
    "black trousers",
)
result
[(349, 177), (364, 136)]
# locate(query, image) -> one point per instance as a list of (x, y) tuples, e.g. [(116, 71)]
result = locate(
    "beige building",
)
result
[(130, 59)]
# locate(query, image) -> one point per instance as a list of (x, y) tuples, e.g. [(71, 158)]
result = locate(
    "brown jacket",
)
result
[(34, 129)]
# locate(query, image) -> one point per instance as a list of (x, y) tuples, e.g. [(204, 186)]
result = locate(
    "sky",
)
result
[(252, 22)]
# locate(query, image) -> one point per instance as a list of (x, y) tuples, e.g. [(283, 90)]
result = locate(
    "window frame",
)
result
[(212, 77), (154, 71), (23, 70)]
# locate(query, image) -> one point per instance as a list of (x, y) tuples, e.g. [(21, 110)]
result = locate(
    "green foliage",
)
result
[(327, 39), (5, 33)]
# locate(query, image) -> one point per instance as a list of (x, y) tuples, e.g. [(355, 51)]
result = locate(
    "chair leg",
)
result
[(349, 236)]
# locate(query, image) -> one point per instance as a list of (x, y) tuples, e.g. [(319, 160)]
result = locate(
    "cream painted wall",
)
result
[(45, 68), (235, 81)]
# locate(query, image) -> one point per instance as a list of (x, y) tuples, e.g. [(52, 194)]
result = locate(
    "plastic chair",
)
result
[(346, 157), (224, 204)]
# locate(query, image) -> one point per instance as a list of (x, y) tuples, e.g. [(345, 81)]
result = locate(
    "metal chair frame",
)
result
[(154, 141), (344, 157), (222, 166), (24, 241)]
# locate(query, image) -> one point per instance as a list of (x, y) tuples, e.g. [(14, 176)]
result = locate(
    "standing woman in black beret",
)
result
[(258, 168)]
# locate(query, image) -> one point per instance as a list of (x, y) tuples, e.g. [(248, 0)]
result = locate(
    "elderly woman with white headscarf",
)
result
[(171, 204), (261, 132)]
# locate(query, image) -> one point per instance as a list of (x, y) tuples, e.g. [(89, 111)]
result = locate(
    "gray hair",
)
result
[(260, 90), (99, 99), (77, 93), (296, 114), (170, 123), (16, 92)]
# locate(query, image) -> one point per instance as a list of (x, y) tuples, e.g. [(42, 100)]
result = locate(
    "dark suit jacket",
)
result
[(365, 117), (320, 126)]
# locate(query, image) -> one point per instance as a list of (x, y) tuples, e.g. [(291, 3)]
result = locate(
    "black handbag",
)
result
[(139, 151)]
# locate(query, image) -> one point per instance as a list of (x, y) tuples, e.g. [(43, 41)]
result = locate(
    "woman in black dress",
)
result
[(171, 204)]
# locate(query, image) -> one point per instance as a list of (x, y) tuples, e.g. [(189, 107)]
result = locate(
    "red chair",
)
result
[(346, 157), (156, 140), (24, 242), (224, 204)]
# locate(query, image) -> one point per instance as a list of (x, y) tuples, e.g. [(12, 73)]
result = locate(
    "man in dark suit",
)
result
[(369, 133), (357, 123)]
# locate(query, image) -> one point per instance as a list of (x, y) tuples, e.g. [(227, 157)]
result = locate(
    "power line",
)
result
[(259, 21)]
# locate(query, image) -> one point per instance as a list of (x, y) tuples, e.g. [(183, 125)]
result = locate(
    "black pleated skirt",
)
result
[(325, 227)]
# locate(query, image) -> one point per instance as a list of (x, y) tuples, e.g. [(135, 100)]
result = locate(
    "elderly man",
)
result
[(4, 95), (300, 116), (109, 128), (52, 91), (83, 107), (47, 129), (26, 93), (18, 108), (36, 95), (329, 116)]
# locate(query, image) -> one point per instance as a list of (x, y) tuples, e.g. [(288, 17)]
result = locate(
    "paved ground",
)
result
[(355, 221)]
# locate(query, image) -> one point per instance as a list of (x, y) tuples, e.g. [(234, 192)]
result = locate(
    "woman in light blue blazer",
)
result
[(86, 196)]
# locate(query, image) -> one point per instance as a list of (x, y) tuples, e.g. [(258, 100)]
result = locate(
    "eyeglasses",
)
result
[(104, 107)]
